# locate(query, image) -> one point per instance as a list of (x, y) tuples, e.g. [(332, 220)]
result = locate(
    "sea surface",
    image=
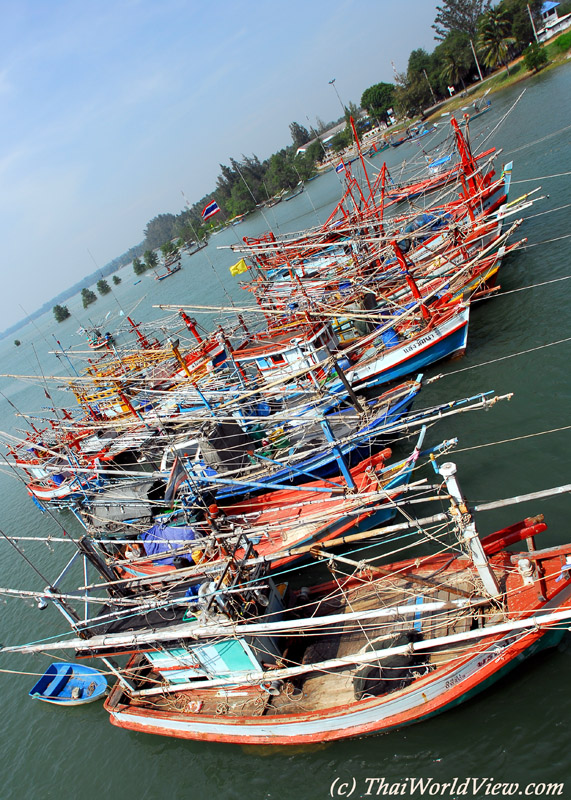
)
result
[(517, 732)]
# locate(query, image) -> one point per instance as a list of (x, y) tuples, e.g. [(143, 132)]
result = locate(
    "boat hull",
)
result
[(324, 465), (441, 342), (473, 675), (69, 685)]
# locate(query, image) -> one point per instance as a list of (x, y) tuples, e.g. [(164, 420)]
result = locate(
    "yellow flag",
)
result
[(239, 267)]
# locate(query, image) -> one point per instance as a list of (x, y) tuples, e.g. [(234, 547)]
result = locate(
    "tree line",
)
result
[(88, 297), (462, 28), (240, 187), (465, 30)]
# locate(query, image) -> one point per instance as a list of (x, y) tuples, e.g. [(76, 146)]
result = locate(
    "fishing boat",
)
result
[(480, 111), (377, 147), (160, 276), (281, 524), (371, 650), (409, 344), (250, 660), (403, 342), (97, 341), (59, 486), (420, 131), (396, 141), (66, 684), (194, 247), (294, 453), (297, 191), (481, 106), (291, 444)]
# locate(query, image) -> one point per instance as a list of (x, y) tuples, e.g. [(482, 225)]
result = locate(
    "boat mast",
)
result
[(467, 527)]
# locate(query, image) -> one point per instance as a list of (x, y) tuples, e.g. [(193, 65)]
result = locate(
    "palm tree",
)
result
[(453, 70), (493, 39)]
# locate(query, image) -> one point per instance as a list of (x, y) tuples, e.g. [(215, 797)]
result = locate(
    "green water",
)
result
[(516, 732)]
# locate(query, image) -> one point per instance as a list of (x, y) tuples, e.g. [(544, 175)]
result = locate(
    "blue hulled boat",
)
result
[(69, 685)]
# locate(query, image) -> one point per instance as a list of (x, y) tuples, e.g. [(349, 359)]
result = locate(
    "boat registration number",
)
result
[(420, 342)]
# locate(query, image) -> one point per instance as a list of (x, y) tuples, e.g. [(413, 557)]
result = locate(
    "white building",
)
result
[(552, 24)]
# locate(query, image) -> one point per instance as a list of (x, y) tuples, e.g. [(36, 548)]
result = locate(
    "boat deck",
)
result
[(326, 689), (320, 690)]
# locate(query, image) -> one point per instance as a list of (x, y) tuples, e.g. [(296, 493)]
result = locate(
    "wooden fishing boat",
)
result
[(194, 247), (295, 453), (299, 445), (59, 486), (408, 342), (396, 142), (280, 521), (479, 110), (409, 345), (160, 276), (364, 653), (282, 350), (172, 265), (275, 521), (69, 685), (420, 131), (98, 341), (296, 192), (377, 147)]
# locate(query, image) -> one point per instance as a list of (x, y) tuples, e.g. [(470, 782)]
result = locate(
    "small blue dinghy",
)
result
[(69, 685)]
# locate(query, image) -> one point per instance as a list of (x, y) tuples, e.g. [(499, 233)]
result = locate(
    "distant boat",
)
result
[(69, 685), (298, 191), (480, 110), (422, 131), (96, 340), (397, 142), (273, 201), (236, 220), (376, 148), (196, 246), (170, 271)]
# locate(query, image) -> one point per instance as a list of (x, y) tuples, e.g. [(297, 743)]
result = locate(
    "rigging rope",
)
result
[(538, 141), (514, 439), (496, 360), (543, 178), (524, 288), (546, 241)]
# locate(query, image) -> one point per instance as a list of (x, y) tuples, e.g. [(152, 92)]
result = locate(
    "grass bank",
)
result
[(558, 53)]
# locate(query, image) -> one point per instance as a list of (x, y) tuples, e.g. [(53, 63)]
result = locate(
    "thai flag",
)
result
[(340, 167), (211, 209)]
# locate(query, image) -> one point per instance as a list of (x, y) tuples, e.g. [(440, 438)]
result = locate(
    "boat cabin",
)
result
[(281, 352)]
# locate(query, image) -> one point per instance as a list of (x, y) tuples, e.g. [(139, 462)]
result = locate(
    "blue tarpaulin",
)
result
[(163, 538)]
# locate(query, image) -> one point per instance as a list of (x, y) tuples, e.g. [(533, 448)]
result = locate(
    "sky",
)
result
[(110, 109)]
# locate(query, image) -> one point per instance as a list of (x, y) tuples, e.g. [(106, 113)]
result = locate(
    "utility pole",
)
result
[(476, 59), (430, 87), (332, 83), (532, 23)]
